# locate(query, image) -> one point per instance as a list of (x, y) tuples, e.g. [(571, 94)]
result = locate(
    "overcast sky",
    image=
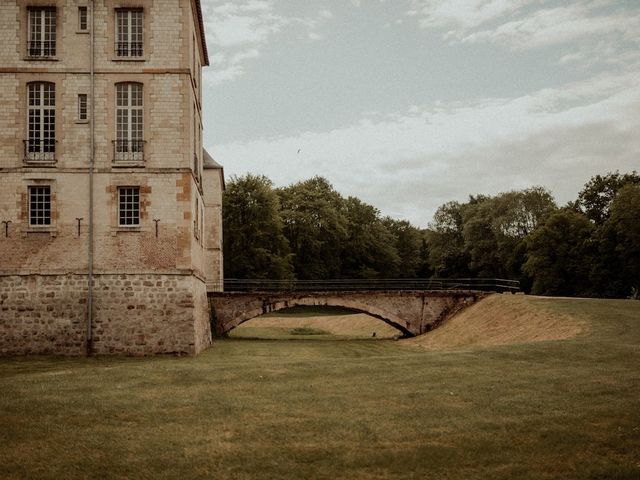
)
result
[(408, 104)]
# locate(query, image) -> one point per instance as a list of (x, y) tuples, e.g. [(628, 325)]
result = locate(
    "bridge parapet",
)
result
[(354, 285), (413, 312)]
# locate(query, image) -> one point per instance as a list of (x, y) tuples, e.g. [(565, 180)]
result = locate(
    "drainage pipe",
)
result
[(91, 166)]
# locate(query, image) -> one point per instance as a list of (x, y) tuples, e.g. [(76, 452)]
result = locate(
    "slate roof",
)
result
[(209, 162)]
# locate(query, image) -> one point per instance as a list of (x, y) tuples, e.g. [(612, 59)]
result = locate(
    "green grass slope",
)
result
[(507, 320), (319, 323), (551, 409)]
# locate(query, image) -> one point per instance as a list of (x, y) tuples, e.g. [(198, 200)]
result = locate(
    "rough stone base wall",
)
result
[(133, 314), (43, 314)]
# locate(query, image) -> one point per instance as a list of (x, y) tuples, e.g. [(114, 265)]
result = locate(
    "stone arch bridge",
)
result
[(403, 304)]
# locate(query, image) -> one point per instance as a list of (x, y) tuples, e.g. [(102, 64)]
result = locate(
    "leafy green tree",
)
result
[(617, 272), (516, 215), (315, 224), (407, 241), (254, 243), (595, 199), (447, 255), (559, 255), (484, 236), (369, 250), (424, 269)]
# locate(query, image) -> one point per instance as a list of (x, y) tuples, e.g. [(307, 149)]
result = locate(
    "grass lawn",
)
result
[(326, 323), (270, 409)]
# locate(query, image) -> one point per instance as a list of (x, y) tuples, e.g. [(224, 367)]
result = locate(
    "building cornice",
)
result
[(203, 39)]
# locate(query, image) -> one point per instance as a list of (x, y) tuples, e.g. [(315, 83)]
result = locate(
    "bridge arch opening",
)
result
[(316, 321)]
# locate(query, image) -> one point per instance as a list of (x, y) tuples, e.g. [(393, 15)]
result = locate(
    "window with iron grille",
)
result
[(129, 122), (41, 121), (41, 41), (129, 33), (82, 107), (83, 19), (40, 205), (129, 206)]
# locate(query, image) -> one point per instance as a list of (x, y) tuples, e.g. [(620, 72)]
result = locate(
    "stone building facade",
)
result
[(103, 176)]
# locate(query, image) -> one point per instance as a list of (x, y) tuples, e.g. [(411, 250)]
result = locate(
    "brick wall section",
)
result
[(134, 314)]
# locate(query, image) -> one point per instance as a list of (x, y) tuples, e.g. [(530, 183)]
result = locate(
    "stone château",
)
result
[(103, 178)]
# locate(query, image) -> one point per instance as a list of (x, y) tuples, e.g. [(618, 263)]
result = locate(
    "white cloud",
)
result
[(463, 14), (238, 31), (603, 31), (409, 163), (555, 26)]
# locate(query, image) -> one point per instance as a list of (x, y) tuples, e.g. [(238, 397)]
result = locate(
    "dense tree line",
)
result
[(307, 230)]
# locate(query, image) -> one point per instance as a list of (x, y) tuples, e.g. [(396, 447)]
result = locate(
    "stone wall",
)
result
[(412, 312), (133, 314), (43, 314)]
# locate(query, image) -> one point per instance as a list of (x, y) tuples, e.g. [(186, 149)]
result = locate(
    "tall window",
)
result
[(129, 206), (83, 19), (41, 108), (129, 33), (40, 205), (82, 107), (129, 144), (42, 32)]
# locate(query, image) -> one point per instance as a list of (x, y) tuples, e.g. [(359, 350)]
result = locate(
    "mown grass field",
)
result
[(560, 409)]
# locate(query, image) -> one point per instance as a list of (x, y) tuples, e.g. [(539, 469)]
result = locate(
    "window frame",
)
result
[(131, 205), (83, 108), (40, 144), (42, 32), (132, 19), (81, 9), (129, 122), (44, 200)]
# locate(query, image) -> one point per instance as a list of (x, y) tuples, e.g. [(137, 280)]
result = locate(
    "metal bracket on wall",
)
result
[(79, 220), (6, 227), (156, 220)]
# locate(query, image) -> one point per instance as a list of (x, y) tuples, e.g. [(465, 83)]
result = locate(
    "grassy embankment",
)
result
[(493, 405)]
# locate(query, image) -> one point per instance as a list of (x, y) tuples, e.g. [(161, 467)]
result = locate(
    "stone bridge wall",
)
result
[(412, 312)]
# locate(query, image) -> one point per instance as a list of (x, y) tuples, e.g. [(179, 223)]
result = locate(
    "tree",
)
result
[(254, 243), (618, 271), (369, 250), (559, 255), (595, 199), (516, 215), (484, 236), (447, 255), (407, 241), (316, 226)]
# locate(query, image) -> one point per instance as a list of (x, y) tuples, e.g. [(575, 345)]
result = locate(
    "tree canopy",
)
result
[(308, 230)]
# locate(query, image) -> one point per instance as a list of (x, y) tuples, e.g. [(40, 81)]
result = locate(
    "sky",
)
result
[(408, 104)]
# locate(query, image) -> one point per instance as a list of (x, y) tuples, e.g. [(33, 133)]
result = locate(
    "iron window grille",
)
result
[(41, 41), (40, 206), (40, 145), (129, 33), (129, 206)]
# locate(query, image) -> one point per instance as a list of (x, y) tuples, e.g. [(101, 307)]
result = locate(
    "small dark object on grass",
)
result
[(374, 334)]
